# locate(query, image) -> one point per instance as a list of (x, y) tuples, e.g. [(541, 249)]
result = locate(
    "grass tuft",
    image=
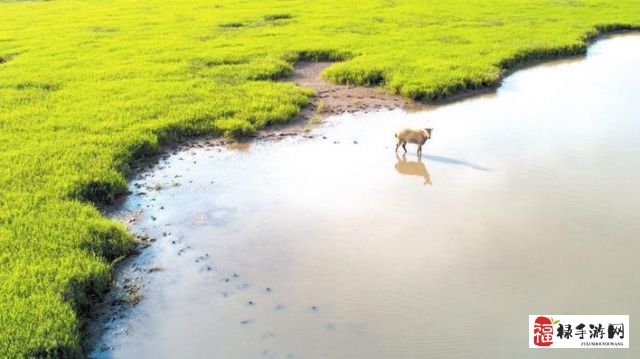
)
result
[(321, 107)]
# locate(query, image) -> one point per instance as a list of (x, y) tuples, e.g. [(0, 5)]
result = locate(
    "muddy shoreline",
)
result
[(335, 99)]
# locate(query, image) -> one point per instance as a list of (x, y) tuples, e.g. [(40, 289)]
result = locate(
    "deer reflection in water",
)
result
[(413, 168)]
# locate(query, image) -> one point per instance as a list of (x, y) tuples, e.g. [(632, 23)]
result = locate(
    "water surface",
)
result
[(525, 201)]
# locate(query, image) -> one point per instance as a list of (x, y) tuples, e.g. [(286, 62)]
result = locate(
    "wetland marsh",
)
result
[(524, 201)]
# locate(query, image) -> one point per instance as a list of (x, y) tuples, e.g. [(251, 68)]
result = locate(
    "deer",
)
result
[(409, 135)]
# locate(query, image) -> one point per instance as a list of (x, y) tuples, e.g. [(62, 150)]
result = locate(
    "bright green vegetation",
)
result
[(87, 86)]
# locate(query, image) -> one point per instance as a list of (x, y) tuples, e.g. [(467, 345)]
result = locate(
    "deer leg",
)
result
[(398, 145), (404, 146), (419, 150)]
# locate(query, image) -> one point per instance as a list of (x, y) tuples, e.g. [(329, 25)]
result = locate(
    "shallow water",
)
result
[(525, 201)]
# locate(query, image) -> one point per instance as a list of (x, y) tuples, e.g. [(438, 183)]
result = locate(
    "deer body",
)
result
[(416, 136)]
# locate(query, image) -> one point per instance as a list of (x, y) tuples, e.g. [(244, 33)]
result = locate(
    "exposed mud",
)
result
[(333, 99), (330, 100)]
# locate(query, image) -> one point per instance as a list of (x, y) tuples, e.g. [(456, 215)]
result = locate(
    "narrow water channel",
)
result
[(525, 201)]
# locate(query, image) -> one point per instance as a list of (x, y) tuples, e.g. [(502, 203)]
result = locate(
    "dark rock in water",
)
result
[(355, 142), (250, 302), (314, 308), (268, 290), (279, 307), (247, 321)]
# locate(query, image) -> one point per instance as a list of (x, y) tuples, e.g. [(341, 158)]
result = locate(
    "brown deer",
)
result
[(409, 135)]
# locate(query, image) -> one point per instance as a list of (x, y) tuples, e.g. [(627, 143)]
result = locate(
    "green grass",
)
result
[(87, 86)]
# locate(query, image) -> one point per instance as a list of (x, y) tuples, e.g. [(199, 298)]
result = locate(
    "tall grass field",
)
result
[(87, 86)]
